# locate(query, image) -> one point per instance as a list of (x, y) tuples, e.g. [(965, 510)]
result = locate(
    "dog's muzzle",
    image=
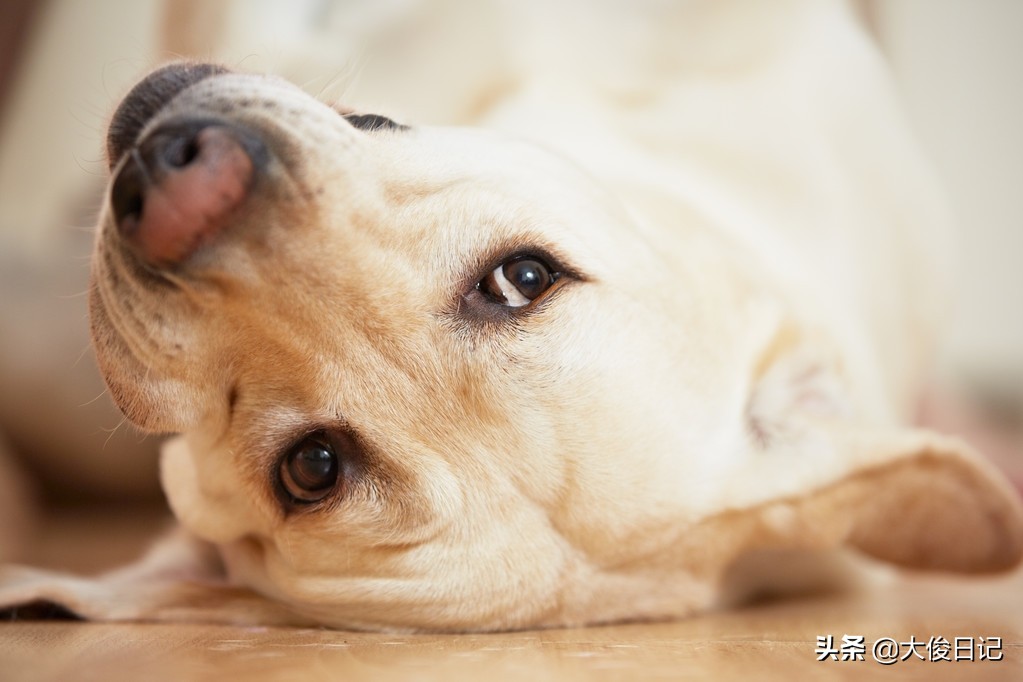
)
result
[(180, 184)]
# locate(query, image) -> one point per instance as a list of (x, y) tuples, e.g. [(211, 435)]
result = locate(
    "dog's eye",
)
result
[(517, 282), (371, 122), (309, 470)]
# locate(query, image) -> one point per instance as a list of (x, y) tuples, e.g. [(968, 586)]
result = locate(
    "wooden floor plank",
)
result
[(774, 641)]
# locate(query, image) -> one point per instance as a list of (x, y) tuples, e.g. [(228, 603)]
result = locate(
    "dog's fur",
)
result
[(742, 326)]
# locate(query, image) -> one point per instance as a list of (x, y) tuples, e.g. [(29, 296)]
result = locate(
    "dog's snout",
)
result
[(147, 98), (180, 186)]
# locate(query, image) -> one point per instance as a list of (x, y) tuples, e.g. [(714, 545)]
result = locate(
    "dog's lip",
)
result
[(147, 98)]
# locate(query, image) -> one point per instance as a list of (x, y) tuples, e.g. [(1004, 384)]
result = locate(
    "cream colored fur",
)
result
[(756, 242)]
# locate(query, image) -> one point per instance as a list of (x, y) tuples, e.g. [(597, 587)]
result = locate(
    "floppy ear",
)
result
[(819, 476), (180, 579), (916, 499), (932, 504)]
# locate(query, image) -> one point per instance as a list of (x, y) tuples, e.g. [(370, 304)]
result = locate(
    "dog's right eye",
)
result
[(309, 471)]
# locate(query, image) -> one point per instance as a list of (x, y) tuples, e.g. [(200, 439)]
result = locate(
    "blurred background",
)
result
[(65, 63)]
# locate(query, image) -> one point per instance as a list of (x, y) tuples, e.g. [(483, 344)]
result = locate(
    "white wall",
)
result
[(82, 56), (960, 66)]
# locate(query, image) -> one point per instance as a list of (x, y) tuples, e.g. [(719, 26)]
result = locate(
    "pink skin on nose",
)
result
[(192, 204)]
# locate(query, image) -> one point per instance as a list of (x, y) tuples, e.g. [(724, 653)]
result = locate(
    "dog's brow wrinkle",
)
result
[(403, 194), (232, 400)]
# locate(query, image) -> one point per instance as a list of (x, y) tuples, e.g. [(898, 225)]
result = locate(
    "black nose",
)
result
[(147, 98)]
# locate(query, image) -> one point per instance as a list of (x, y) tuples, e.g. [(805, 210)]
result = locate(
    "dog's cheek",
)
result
[(206, 493), (598, 401)]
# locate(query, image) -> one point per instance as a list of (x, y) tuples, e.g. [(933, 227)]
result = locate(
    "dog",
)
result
[(452, 379)]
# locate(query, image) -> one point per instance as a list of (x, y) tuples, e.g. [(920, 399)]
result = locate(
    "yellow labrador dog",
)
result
[(450, 379)]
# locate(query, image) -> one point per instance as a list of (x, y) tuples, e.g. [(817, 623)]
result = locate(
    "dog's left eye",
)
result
[(309, 470), (518, 282)]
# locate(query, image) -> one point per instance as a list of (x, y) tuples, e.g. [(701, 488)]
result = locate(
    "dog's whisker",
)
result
[(79, 294), (342, 76), (94, 168), (113, 431), (85, 351), (240, 63), (93, 400), (96, 129), (350, 72), (174, 55)]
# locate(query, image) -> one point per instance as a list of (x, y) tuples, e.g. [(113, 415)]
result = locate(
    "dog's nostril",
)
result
[(127, 195), (178, 152)]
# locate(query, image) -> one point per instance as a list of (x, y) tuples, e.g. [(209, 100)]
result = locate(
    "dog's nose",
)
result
[(180, 186), (147, 98)]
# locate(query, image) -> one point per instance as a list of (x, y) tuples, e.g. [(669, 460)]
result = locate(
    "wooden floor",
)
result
[(777, 641)]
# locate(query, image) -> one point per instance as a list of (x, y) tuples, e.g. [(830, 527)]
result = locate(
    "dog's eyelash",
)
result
[(371, 122)]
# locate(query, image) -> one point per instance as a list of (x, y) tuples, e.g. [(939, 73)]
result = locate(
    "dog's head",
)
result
[(439, 378)]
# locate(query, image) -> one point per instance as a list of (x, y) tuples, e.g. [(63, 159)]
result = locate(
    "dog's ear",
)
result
[(818, 477), (930, 504), (911, 498), (180, 579)]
